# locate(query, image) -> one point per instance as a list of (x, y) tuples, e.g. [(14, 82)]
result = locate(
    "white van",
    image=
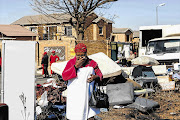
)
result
[(166, 50)]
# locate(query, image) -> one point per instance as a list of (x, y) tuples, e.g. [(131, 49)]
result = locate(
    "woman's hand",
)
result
[(92, 78), (80, 61)]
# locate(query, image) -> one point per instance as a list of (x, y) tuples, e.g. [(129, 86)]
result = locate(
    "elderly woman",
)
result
[(81, 72)]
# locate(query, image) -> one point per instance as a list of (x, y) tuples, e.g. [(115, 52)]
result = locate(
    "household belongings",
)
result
[(144, 60), (176, 66), (98, 99), (143, 91), (135, 84), (166, 86), (143, 104), (160, 69), (144, 75), (51, 82), (166, 83), (106, 65), (47, 97), (122, 93)]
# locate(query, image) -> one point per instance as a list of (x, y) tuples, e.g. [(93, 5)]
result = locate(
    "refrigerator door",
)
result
[(18, 78)]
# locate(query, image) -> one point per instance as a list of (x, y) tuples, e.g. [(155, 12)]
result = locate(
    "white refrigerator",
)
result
[(18, 78)]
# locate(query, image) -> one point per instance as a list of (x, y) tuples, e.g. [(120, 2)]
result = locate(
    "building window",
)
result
[(112, 39), (100, 30), (33, 29), (127, 36), (68, 30), (50, 33)]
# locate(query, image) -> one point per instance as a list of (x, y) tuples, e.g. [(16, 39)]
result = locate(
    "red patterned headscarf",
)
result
[(80, 47), (53, 51)]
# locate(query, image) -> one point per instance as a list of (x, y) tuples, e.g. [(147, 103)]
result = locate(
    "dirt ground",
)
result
[(169, 109)]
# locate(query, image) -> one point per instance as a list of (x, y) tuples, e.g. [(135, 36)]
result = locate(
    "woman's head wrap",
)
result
[(45, 53), (80, 47), (53, 51)]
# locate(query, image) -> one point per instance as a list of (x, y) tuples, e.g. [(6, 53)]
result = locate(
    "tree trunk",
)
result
[(80, 33), (80, 36)]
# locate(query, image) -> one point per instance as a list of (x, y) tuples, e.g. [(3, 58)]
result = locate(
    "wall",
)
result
[(88, 34), (119, 37), (108, 30), (95, 46), (24, 38), (130, 35), (136, 40), (103, 24), (68, 44)]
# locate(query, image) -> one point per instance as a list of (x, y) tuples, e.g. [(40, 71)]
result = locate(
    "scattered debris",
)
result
[(144, 76), (118, 107), (123, 85), (49, 99), (143, 104), (143, 91), (144, 60), (166, 86)]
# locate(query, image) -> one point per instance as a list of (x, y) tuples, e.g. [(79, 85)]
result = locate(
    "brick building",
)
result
[(122, 35), (48, 28)]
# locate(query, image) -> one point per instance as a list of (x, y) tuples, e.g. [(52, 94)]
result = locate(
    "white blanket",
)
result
[(78, 95)]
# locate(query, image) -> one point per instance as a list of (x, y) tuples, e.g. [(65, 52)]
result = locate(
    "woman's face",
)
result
[(81, 55), (131, 52)]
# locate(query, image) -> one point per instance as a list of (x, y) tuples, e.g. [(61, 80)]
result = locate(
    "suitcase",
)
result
[(121, 93)]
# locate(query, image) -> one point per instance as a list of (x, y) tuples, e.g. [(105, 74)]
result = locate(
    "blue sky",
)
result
[(129, 13)]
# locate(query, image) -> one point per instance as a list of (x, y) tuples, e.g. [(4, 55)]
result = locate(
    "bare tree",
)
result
[(77, 9)]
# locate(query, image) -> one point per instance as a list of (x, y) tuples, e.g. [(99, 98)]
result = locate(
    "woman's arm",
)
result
[(69, 72), (98, 75)]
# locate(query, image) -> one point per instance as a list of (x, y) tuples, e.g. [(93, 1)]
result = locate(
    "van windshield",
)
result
[(163, 46)]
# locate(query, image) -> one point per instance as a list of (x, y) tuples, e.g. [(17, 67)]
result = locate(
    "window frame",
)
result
[(33, 29), (68, 30), (101, 31)]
